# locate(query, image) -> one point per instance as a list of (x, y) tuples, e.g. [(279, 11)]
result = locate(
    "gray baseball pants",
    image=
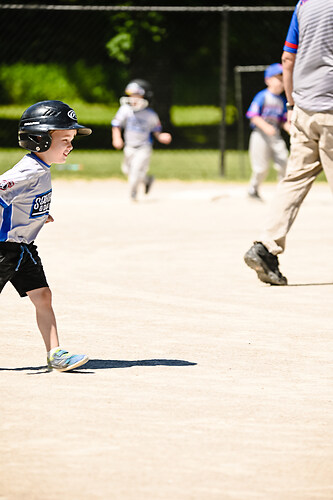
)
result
[(262, 149), (311, 151), (136, 165)]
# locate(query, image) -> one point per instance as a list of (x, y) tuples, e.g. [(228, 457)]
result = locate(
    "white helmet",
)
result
[(138, 94)]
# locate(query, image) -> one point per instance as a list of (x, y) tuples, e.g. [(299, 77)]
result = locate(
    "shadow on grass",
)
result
[(105, 364)]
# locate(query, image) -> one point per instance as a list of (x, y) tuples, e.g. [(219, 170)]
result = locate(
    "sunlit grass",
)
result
[(188, 116), (165, 164), (102, 114), (185, 165)]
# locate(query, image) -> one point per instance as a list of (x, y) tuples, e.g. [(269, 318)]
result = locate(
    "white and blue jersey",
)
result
[(25, 197), (310, 36), (271, 107), (138, 126)]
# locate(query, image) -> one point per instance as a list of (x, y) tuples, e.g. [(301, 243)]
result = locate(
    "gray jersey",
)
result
[(138, 126), (310, 35), (25, 197)]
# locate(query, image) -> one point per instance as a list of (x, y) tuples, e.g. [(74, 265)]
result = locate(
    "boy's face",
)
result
[(61, 146), (275, 84), (135, 100)]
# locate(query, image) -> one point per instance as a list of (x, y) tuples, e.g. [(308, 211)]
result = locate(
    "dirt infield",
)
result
[(203, 383)]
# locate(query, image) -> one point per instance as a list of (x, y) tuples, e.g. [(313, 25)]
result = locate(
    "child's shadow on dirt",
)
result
[(105, 364)]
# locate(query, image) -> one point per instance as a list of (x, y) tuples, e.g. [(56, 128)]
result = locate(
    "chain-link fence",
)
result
[(189, 54)]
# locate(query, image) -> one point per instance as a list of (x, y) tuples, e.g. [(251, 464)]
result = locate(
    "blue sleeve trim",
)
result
[(6, 222), (3, 203), (292, 40)]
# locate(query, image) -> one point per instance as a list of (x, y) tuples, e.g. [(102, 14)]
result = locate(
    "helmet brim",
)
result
[(82, 130)]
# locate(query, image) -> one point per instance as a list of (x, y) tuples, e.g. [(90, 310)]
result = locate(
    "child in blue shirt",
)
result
[(267, 114)]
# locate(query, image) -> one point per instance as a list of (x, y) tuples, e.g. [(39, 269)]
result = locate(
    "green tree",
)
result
[(139, 42)]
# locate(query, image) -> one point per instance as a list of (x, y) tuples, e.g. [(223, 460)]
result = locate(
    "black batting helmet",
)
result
[(40, 118)]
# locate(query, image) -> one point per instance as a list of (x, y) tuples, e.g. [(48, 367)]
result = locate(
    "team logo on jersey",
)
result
[(6, 185), (41, 204), (71, 114)]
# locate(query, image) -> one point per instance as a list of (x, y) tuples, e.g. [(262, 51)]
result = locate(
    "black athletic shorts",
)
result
[(20, 264)]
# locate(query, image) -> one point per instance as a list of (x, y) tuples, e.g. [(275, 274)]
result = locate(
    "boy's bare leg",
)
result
[(46, 321)]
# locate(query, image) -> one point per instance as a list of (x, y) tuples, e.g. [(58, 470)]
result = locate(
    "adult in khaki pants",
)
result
[(307, 62)]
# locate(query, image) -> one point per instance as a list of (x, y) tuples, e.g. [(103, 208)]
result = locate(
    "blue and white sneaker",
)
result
[(63, 361)]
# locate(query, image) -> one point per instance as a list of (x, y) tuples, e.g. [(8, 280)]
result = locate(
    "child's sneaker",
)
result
[(253, 193), (63, 361), (148, 183)]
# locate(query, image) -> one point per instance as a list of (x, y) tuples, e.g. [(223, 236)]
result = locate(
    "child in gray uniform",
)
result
[(47, 129), (140, 124), (268, 114)]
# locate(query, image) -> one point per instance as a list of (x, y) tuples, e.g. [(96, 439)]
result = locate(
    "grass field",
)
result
[(185, 165), (166, 164), (101, 114)]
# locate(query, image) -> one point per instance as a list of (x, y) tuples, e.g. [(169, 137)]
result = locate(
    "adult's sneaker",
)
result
[(265, 264), (63, 361)]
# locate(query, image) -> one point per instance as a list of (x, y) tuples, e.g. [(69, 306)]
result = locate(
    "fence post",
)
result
[(223, 86), (239, 104)]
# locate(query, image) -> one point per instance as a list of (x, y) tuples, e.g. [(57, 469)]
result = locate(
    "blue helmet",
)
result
[(273, 70)]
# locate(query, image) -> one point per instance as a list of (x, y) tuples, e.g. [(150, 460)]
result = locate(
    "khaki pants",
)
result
[(311, 151)]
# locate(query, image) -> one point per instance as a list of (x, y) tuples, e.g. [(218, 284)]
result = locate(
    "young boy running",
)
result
[(140, 124), (47, 129)]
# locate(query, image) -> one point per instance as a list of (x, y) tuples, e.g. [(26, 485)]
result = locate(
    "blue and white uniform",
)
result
[(25, 197), (263, 148), (139, 127), (271, 107)]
